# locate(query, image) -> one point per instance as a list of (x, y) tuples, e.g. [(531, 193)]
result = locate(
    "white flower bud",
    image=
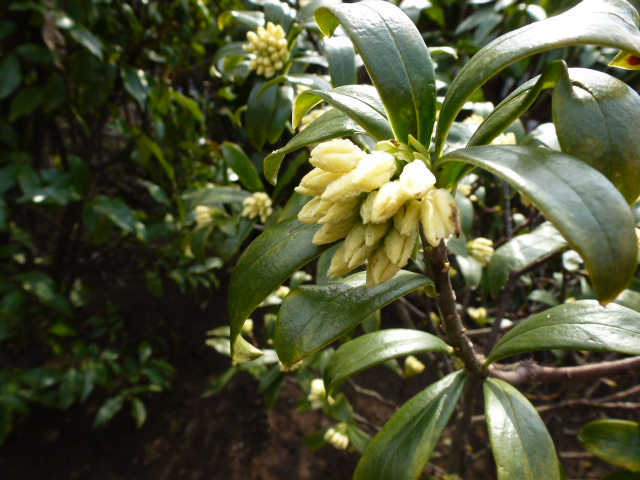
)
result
[(440, 216), (399, 247), (416, 179), (356, 250), (481, 249), (257, 205), (317, 393), (479, 315), (336, 156), (375, 232), (339, 266), (268, 47), (282, 291), (508, 138), (337, 436), (413, 366), (366, 206), (387, 202), (313, 210), (341, 210), (407, 219), (374, 171), (203, 216), (310, 117), (380, 268), (331, 232)]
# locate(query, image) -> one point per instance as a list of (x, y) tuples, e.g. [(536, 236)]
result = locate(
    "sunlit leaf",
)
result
[(614, 441)]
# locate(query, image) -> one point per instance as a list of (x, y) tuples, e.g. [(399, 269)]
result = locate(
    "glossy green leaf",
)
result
[(88, 40), (396, 58), (521, 252), (629, 299), (614, 441), (259, 114), (136, 84), (213, 195), (116, 210), (376, 348), (10, 76), (242, 165), (611, 23), (521, 444), (25, 102), (360, 102), (313, 316), (342, 61), (281, 113), (581, 325), (599, 227), (109, 409), (401, 450), (138, 411), (272, 258), (332, 124), (597, 120)]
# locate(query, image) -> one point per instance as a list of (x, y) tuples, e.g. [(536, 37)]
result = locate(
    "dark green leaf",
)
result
[(521, 444), (118, 212), (376, 348), (26, 101), (219, 382), (360, 102), (243, 166), (265, 264), (313, 316), (614, 441), (342, 61), (259, 114), (10, 76), (88, 40), (611, 23), (597, 119), (581, 325), (521, 252), (281, 114), (401, 450), (138, 411), (396, 58), (136, 84), (623, 475), (108, 410), (332, 124), (213, 195), (599, 227)]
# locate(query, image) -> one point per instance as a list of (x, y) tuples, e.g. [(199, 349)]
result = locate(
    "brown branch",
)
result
[(533, 373)]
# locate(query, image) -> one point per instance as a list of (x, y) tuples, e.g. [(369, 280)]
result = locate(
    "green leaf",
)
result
[(281, 113), (272, 258), (521, 444), (401, 450), (259, 114), (611, 23), (243, 166), (581, 325), (599, 227), (396, 58), (313, 316), (213, 195), (597, 119), (189, 104), (332, 124), (138, 411), (360, 102), (108, 410), (116, 210), (10, 76), (25, 102), (376, 348), (88, 40), (521, 252), (614, 441), (136, 84), (342, 61)]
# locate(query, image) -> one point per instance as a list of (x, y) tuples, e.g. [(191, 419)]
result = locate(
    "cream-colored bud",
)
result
[(375, 232), (306, 191), (342, 189), (257, 205), (203, 216), (407, 219), (341, 210), (317, 393), (247, 327), (367, 205), (339, 266), (416, 179), (479, 315), (374, 171), (380, 268), (331, 232), (440, 216), (356, 251), (313, 210), (337, 436), (269, 51), (481, 249), (413, 366), (387, 202), (337, 156), (311, 117), (252, 37), (399, 247), (282, 291), (508, 138)]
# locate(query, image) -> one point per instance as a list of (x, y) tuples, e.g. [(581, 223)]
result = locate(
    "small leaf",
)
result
[(312, 316), (376, 348), (242, 165), (10, 76), (521, 444), (108, 410), (522, 251), (272, 258), (600, 228), (581, 325), (403, 447), (138, 411), (614, 441), (117, 211), (626, 60), (396, 58), (88, 40), (136, 84), (360, 102), (332, 124)]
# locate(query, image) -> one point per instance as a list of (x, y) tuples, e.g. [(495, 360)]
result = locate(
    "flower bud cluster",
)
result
[(357, 199), (481, 249), (337, 436), (269, 45), (257, 205), (203, 216)]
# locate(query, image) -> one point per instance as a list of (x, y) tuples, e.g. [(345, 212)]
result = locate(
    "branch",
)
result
[(533, 373), (438, 269)]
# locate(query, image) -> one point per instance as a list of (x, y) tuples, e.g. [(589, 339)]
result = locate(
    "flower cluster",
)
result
[(357, 199), (481, 249), (257, 205), (203, 216), (269, 45), (337, 436)]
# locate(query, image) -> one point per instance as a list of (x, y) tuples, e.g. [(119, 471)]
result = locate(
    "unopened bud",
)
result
[(339, 265), (387, 202), (440, 216), (380, 268), (316, 181), (407, 219), (413, 367), (481, 249), (341, 210), (203, 216), (416, 179), (331, 232), (313, 210), (337, 436), (336, 156), (399, 247)]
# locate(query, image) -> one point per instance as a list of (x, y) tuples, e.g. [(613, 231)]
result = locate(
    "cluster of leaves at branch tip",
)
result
[(362, 199), (269, 46), (257, 205)]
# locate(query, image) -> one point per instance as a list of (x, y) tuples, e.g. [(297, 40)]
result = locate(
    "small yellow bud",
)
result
[(407, 219), (479, 315), (341, 210), (337, 436), (380, 268), (247, 327), (440, 216), (336, 156), (413, 367), (282, 291), (257, 205), (387, 202), (367, 205), (375, 232), (339, 266), (416, 179), (313, 210), (374, 171), (331, 232), (399, 247), (481, 249), (508, 138), (317, 393), (203, 216), (268, 48)]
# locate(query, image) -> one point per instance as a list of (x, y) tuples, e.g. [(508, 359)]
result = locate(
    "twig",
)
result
[(372, 394)]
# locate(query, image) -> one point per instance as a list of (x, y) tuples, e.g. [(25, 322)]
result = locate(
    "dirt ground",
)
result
[(229, 436)]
